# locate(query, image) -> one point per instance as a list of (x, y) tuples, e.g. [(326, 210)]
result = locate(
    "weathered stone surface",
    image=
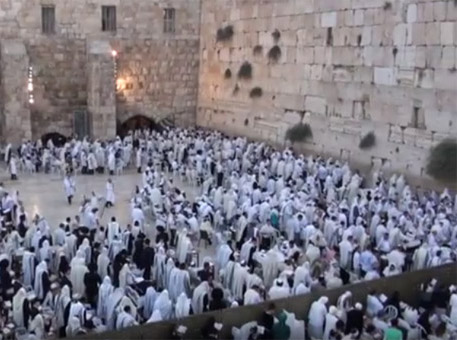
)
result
[(358, 66)]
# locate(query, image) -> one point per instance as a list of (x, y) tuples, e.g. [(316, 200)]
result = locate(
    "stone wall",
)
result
[(346, 67), (165, 65)]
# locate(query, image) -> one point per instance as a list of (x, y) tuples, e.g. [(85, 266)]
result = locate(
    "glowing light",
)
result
[(120, 84), (114, 53), (30, 85)]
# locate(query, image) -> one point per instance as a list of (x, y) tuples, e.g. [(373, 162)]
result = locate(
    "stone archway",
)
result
[(135, 123), (57, 138)]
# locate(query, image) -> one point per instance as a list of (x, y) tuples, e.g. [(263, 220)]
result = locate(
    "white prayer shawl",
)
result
[(111, 308), (113, 229), (301, 289), (28, 268), (270, 267), (149, 300), (198, 297), (251, 297), (77, 272), (155, 317), (38, 287), (316, 318), (125, 276), (159, 273), (182, 307), (124, 320), (163, 304), (18, 307), (69, 185), (278, 292), (453, 305), (103, 263), (330, 323), (77, 310), (420, 257), (37, 326), (110, 197), (73, 327), (239, 280), (183, 247), (105, 290), (62, 303)]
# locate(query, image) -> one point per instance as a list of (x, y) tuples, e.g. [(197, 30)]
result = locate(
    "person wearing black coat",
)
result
[(147, 259), (355, 320), (92, 281)]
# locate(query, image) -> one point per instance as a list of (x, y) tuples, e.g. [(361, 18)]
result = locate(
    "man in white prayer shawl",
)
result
[(184, 246), (252, 296), (77, 309), (70, 188), (78, 270), (316, 318), (164, 305), (155, 317), (110, 196), (104, 291), (36, 326), (42, 284), (330, 322), (103, 263), (148, 302), (18, 307), (182, 306), (179, 282), (279, 290), (125, 319), (200, 297), (270, 266), (113, 230), (112, 306), (240, 274), (28, 267)]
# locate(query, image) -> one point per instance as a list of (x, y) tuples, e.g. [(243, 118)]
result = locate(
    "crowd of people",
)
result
[(280, 225)]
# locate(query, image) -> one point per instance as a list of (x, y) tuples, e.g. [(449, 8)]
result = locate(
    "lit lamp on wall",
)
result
[(114, 55), (30, 85)]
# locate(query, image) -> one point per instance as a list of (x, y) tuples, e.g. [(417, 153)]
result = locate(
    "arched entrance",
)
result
[(135, 123), (57, 138)]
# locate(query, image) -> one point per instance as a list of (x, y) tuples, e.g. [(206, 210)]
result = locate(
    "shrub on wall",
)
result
[(227, 74), (257, 49), (387, 5), (276, 35), (299, 133), (245, 71), (225, 33), (256, 92), (368, 141), (274, 53), (442, 161), (236, 89)]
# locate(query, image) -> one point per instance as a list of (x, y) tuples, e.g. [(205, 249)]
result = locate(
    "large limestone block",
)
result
[(328, 19), (384, 76)]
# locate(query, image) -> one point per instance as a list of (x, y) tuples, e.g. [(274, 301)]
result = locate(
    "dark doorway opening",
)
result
[(136, 123), (57, 139)]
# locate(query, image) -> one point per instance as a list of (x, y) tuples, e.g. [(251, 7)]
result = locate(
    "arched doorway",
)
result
[(135, 123), (57, 138)]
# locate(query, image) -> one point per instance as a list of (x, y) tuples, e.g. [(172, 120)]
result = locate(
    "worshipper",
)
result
[(183, 306), (125, 319), (70, 187), (330, 322), (393, 332), (164, 305), (92, 281), (316, 318), (281, 330), (355, 319), (217, 299), (110, 197)]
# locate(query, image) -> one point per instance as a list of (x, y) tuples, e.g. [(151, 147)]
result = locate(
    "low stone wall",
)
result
[(408, 285)]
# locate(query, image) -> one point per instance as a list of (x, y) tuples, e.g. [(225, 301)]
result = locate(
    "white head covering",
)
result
[(163, 304), (155, 317), (182, 307), (149, 301), (18, 304)]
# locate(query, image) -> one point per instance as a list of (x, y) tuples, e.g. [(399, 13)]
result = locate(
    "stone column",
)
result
[(15, 124), (101, 98)]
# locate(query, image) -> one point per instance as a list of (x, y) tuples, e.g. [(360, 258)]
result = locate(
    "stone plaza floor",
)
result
[(44, 194)]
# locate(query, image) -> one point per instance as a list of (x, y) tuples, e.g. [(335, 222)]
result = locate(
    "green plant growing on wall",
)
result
[(442, 161), (245, 71), (225, 33), (227, 74), (368, 141), (274, 53), (276, 35), (258, 49), (256, 92), (300, 132)]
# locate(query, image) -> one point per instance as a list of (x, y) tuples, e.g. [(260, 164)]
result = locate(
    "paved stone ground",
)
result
[(44, 194)]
